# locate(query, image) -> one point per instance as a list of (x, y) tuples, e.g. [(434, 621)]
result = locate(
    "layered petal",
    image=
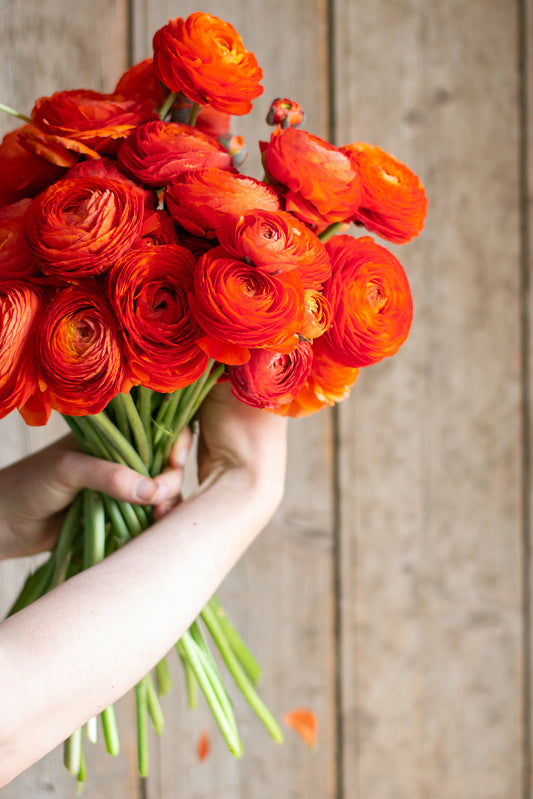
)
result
[(370, 300), (393, 201), (275, 241), (205, 58), (321, 187), (80, 351), (158, 152), (200, 199), (149, 289), (80, 226), (272, 379)]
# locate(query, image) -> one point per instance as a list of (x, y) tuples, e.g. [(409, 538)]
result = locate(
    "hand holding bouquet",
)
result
[(139, 267)]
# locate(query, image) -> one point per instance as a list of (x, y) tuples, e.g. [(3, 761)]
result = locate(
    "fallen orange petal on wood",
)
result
[(203, 747), (305, 723)]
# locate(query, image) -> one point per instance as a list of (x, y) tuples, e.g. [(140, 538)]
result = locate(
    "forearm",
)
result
[(86, 643)]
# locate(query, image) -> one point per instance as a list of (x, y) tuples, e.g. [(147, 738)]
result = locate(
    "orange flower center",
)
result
[(375, 297)]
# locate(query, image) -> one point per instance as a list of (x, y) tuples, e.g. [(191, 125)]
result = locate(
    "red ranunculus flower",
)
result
[(107, 169), (157, 228), (22, 173), (140, 82), (240, 307), (328, 382), (149, 291), (208, 120), (16, 260), (271, 379), (285, 112), (80, 352), (370, 300), (21, 307), (79, 227), (275, 241), (158, 152), (393, 202), (321, 185), (99, 121), (205, 58), (201, 198)]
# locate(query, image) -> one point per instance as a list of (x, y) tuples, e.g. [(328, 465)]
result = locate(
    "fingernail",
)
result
[(145, 489), (163, 492)]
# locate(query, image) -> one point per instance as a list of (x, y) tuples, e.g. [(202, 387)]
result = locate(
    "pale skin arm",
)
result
[(121, 616)]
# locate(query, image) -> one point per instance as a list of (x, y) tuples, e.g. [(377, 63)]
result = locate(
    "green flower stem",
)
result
[(82, 775), (14, 113), (190, 680), (167, 105), (239, 675), (165, 416), (91, 729), (214, 693), (154, 706), (109, 724), (63, 548), (94, 529), (142, 443), (331, 230), (72, 749), (163, 677), (200, 641), (120, 528), (118, 443), (145, 396), (130, 519), (90, 438), (193, 116), (121, 417), (187, 409), (246, 659), (141, 700)]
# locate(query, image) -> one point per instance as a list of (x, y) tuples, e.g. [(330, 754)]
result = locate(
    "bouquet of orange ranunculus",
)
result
[(138, 267)]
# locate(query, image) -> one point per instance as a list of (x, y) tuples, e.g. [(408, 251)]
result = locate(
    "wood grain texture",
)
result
[(430, 443)]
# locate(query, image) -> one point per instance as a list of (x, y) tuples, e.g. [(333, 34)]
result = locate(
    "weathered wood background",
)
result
[(392, 592)]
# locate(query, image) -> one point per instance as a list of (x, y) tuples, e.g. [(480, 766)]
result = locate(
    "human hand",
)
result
[(35, 490), (236, 436)]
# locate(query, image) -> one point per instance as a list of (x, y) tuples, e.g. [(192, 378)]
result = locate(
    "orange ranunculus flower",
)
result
[(158, 152), (274, 241), (321, 185), (21, 307), (328, 382), (16, 260), (271, 379), (79, 227), (370, 300), (80, 351), (205, 58), (149, 289), (99, 121), (393, 202), (140, 82), (201, 198), (286, 113), (240, 307), (23, 173)]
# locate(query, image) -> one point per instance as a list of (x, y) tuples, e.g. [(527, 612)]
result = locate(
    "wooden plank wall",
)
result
[(391, 594)]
